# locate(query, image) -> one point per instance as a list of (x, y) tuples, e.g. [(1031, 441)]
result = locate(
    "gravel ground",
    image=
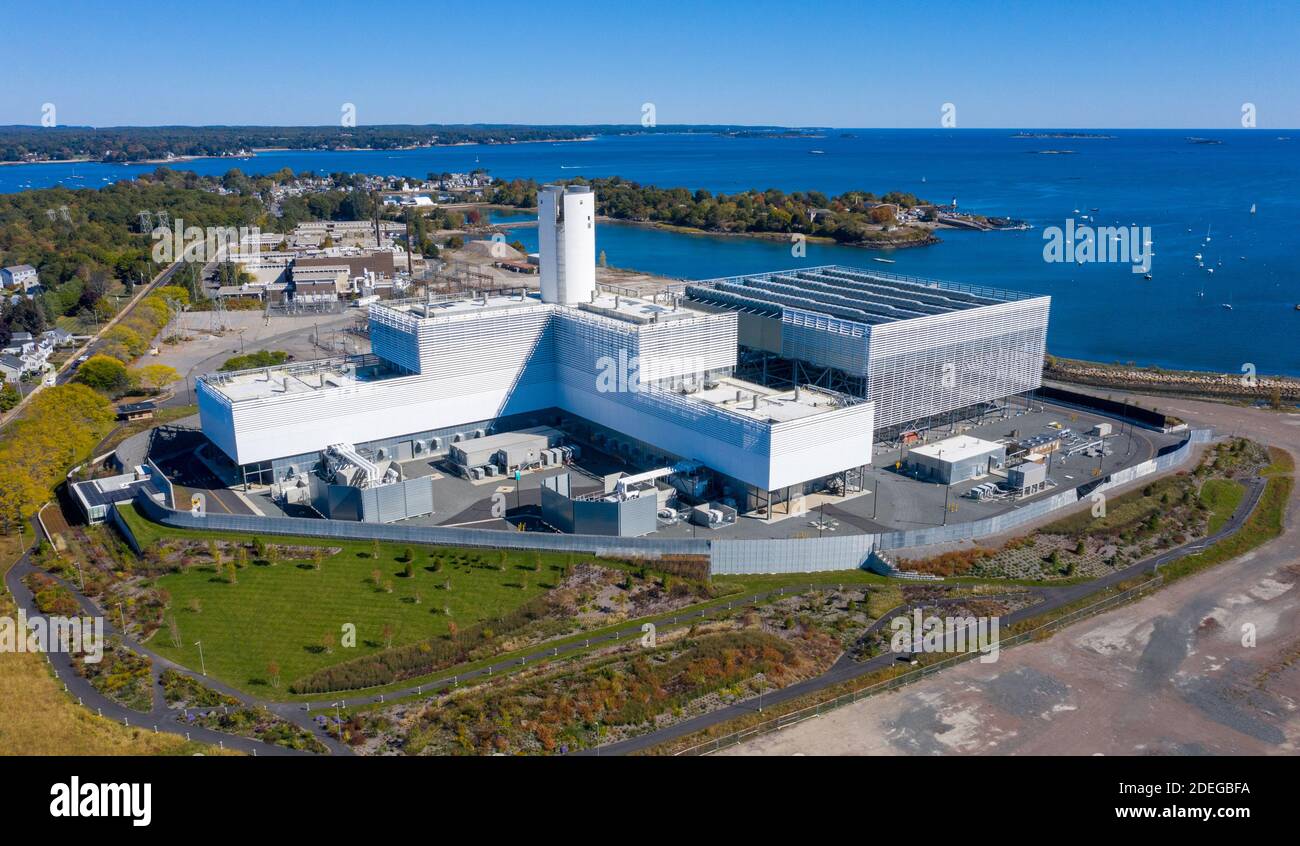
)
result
[(1166, 675)]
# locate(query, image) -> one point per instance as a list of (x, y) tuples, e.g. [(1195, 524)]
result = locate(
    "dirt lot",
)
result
[(211, 338), (1166, 675)]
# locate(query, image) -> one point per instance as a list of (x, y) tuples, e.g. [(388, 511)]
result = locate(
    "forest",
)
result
[(143, 143), (854, 217)]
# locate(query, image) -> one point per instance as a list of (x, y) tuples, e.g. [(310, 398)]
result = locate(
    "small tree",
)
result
[(408, 555), (259, 548), (376, 578), (409, 570), (374, 550), (230, 573), (387, 634), (272, 554), (317, 558), (241, 557), (214, 551), (327, 643), (273, 670)]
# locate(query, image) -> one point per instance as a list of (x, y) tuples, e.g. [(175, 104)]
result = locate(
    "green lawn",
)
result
[(283, 612), (1122, 512), (1222, 496)]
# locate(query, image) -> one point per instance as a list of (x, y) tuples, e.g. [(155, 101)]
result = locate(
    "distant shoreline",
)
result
[(257, 150)]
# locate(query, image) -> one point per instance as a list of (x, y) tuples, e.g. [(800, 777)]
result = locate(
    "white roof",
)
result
[(958, 448)]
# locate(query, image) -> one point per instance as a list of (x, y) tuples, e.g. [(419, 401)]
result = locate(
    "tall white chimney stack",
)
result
[(566, 234)]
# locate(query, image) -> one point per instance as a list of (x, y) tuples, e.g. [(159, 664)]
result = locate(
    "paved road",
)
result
[(846, 669), (1165, 674), (160, 717), (69, 368)]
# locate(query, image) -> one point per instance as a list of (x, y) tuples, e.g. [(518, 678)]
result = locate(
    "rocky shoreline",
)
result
[(1276, 390)]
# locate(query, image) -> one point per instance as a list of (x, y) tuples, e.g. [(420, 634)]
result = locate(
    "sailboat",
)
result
[(1207, 234), (1252, 208)]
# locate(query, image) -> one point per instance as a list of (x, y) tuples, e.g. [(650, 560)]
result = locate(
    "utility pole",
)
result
[(202, 666)]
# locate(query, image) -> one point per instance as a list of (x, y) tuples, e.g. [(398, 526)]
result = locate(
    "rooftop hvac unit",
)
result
[(417, 447), (382, 452), (478, 433), (457, 438), (493, 470), (435, 444)]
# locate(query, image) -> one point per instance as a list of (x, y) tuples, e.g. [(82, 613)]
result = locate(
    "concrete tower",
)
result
[(566, 236)]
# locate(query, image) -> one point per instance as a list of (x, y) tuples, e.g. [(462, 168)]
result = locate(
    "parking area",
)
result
[(889, 499)]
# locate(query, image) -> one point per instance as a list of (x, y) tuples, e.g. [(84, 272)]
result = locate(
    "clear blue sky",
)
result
[(1168, 63)]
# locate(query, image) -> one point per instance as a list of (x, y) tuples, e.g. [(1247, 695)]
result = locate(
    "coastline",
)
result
[(781, 237), (256, 150), (1280, 391)]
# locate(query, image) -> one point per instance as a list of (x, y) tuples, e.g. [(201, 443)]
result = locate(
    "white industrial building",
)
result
[(917, 348), (652, 380)]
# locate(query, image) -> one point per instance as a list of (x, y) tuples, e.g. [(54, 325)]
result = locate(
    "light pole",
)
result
[(202, 666)]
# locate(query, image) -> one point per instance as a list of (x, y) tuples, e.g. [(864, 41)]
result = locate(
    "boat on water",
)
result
[(1197, 256), (1148, 276), (1252, 208), (816, 152), (883, 260), (1228, 306)]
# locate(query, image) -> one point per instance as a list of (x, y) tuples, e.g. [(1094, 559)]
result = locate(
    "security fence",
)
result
[(793, 717), (726, 555)]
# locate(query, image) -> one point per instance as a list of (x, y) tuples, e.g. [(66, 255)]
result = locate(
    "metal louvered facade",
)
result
[(918, 347), (448, 364)]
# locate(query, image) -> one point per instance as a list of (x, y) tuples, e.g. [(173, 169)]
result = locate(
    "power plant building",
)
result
[(651, 380), (916, 348)]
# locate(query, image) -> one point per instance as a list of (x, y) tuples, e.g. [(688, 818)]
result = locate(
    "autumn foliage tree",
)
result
[(58, 429)]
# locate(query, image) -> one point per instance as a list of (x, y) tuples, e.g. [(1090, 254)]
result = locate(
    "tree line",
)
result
[(852, 217), (138, 143)]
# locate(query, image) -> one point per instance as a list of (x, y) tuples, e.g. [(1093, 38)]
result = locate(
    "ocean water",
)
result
[(1158, 179)]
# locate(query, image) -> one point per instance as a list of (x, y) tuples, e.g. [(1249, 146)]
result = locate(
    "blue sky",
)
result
[(1168, 63)]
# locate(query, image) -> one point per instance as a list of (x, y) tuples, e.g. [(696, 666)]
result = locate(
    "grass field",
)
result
[(1122, 512), (37, 717), (1264, 524), (294, 616), (1222, 496)]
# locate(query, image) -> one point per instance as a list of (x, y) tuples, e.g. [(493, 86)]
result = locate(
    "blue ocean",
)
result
[(1233, 197)]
